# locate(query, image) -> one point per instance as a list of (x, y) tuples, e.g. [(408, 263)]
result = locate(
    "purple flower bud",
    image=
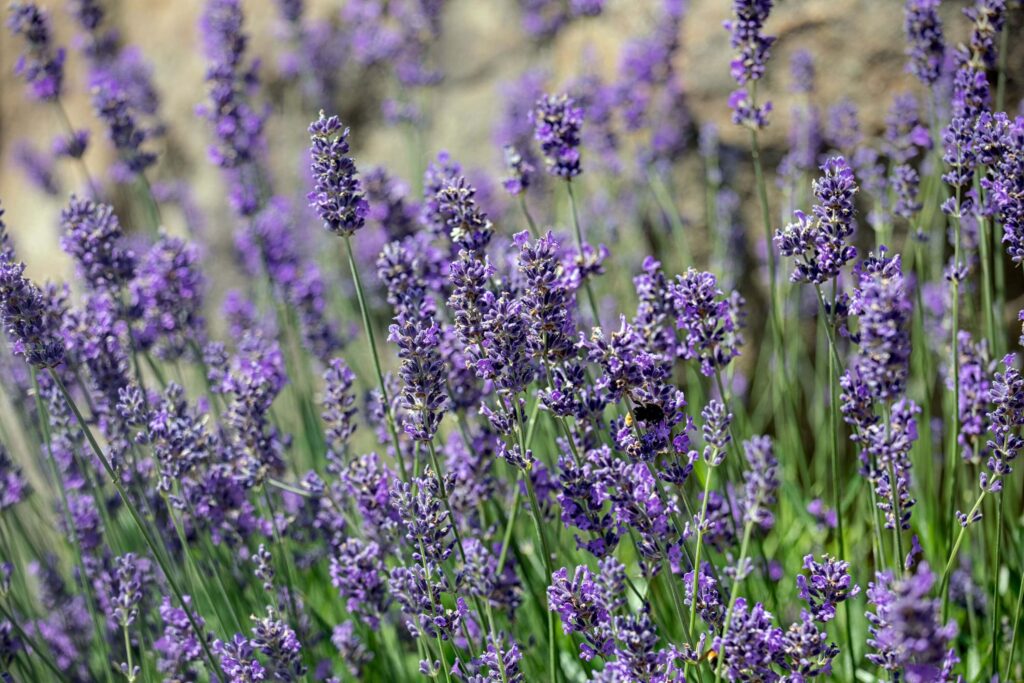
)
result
[(557, 120), (42, 65), (337, 194), (829, 584)]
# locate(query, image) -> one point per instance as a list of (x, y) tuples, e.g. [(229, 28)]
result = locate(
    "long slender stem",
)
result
[(1016, 628), (995, 587), (579, 245), (368, 327), (137, 518), (837, 501), (734, 591), (76, 544)]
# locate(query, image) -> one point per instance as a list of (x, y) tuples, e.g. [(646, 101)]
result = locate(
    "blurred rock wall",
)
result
[(858, 47)]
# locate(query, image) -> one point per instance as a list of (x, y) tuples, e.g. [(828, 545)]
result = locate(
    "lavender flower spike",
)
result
[(23, 313), (42, 65), (337, 194), (819, 242), (557, 120), (828, 585)]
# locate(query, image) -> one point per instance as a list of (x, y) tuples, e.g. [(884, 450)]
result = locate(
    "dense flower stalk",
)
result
[(337, 194), (42, 64), (557, 120), (820, 242)]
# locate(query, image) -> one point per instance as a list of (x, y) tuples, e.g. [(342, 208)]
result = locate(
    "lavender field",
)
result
[(649, 387)]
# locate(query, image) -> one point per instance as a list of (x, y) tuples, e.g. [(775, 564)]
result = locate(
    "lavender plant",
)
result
[(423, 455)]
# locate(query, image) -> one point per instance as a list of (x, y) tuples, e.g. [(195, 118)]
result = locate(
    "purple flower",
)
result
[(13, 487), (752, 46), (42, 65), (746, 112), (92, 236), (905, 134), (23, 311), (711, 323), (238, 660), (122, 588), (926, 47), (584, 608), (801, 69), (38, 168), (760, 481), (557, 120), (905, 184), (1004, 422), (807, 650), (709, 599), (751, 645), (905, 630), (237, 125), (467, 224), (829, 584), (717, 437), (357, 571), (337, 194), (819, 242), (112, 107), (167, 294), (277, 642), (428, 526), (883, 308), (178, 648), (975, 394), (72, 145), (423, 373), (752, 49), (339, 406), (1005, 185), (547, 298)]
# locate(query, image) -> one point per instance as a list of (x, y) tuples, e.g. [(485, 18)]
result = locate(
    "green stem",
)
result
[(368, 327), (734, 591), (995, 588), (137, 518), (76, 545), (529, 217), (579, 245), (1016, 628), (24, 637)]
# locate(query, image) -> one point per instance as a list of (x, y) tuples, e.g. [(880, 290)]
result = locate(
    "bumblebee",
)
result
[(649, 412)]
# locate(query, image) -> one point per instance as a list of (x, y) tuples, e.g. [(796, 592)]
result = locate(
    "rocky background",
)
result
[(857, 44)]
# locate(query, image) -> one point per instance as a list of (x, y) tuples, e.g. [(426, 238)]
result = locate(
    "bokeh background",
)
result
[(858, 46)]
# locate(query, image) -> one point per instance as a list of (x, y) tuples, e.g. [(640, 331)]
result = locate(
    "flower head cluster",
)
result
[(819, 242), (905, 630), (926, 46), (167, 296), (829, 584), (337, 194), (711, 323), (423, 373), (23, 311), (42, 65), (92, 235), (883, 308), (112, 105), (1004, 422), (237, 124), (557, 120), (468, 226), (753, 47), (586, 604)]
